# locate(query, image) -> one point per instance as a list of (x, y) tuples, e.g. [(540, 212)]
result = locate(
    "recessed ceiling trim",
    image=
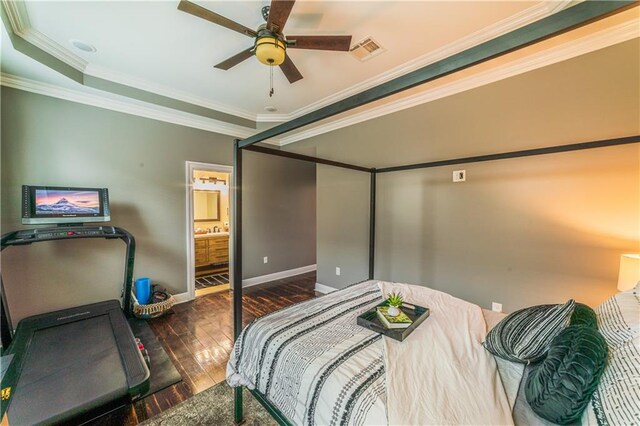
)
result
[(106, 74), (595, 41), (18, 18), (21, 26), (41, 45), (525, 17), (511, 23), (43, 42), (590, 43), (558, 5), (567, 21), (126, 106)]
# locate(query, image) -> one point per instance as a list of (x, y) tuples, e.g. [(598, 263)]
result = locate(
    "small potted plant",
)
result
[(395, 300)]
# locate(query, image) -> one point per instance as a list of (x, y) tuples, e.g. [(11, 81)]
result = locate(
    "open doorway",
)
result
[(208, 228)]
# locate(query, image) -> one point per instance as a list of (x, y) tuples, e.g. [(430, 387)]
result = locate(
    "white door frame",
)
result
[(190, 166)]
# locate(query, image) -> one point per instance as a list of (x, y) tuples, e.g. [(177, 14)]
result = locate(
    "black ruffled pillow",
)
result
[(559, 388), (584, 315), (525, 335)]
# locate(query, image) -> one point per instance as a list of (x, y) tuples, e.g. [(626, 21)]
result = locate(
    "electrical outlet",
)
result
[(459, 175), (496, 307), (337, 270), (266, 259)]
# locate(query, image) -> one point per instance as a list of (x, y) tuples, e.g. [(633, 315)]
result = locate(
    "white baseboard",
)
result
[(184, 297), (324, 289), (248, 282)]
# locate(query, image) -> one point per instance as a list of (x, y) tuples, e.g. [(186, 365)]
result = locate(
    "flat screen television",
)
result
[(62, 205)]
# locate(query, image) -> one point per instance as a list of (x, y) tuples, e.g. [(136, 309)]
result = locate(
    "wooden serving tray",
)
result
[(371, 321)]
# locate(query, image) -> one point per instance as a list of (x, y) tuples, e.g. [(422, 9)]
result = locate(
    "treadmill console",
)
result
[(29, 236)]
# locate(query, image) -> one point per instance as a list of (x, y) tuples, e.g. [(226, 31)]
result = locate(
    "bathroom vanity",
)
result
[(211, 251)]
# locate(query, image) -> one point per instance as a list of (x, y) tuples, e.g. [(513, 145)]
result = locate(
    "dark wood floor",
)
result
[(198, 337)]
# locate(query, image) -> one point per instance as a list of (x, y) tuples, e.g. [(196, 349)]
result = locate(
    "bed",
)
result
[(316, 366)]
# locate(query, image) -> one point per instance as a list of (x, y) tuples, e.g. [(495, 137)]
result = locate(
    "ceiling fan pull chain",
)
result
[(271, 81)]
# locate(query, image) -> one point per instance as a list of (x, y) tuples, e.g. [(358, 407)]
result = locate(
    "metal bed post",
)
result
[(236, 233), (372, 224)]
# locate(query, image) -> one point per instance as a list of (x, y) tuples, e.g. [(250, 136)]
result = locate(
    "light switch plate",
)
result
[(266, 259), (459, 175), (496, 307), (337, 270)]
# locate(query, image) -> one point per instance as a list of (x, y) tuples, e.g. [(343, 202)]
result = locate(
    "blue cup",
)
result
[(143, 290)]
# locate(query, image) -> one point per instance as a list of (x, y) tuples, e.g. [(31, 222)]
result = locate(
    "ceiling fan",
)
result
[(270, 44)]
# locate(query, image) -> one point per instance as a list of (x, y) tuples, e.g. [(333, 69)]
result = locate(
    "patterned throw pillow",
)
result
[(616, 400), (559, 388), (584, 315), (525, 335)]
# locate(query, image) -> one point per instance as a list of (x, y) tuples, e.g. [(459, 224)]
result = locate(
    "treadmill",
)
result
[(70, 366)]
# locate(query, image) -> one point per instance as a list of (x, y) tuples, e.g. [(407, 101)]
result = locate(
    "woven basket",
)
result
[(152, 310)]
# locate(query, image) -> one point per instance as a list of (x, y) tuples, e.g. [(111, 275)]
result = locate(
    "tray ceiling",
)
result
[(153, 53)]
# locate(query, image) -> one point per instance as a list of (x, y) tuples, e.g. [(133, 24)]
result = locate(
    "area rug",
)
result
[(163, 372), (213, 406), (212, 280)]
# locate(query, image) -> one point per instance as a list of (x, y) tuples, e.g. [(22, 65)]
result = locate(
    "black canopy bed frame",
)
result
[(576, 16)]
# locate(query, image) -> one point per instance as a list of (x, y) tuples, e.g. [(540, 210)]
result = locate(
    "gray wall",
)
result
[(519, 231), (342, 225), (142, 162), (279, 214)]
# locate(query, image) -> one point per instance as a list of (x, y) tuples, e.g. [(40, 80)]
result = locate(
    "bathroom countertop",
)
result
[(212, 234)]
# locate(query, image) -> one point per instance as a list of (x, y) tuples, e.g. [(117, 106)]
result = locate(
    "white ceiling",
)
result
[(155, 44), (152, 46)]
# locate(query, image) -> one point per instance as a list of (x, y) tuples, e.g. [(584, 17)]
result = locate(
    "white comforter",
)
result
[(441, 374)]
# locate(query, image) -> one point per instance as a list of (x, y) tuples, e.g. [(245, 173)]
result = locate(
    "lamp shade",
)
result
[(270, 50), (629, 274)]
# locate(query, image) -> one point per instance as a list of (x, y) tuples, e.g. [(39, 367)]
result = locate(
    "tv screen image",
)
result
[(42, 205), (61, 202)]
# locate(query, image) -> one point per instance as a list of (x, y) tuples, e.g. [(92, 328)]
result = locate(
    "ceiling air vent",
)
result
[(366, 49)]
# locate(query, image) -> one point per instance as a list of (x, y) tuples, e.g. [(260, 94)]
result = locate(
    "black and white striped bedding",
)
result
[(617, 398), (314, 363)]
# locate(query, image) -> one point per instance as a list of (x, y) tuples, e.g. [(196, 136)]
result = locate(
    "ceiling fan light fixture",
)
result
[(270, 50)]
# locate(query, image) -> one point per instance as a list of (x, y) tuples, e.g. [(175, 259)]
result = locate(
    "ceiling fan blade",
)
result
[(290, 71), (278, 14), (321, 42), (235, 59), (206, 14)]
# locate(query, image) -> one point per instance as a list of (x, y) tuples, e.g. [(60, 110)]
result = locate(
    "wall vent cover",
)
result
[(366, 49)]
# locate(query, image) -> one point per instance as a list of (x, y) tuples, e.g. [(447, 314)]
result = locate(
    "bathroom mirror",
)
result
[(206, 205)]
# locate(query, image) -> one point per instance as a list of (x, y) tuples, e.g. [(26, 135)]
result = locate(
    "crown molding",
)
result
[(592, 42), (23, 29), (146, 85), (614, 35), (126, 106), (41, 41), (21, 26), (18, 18), (558, 5), (511, 23), (273, 118)]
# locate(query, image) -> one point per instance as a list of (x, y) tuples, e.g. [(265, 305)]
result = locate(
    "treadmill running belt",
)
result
[(67, 368)]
